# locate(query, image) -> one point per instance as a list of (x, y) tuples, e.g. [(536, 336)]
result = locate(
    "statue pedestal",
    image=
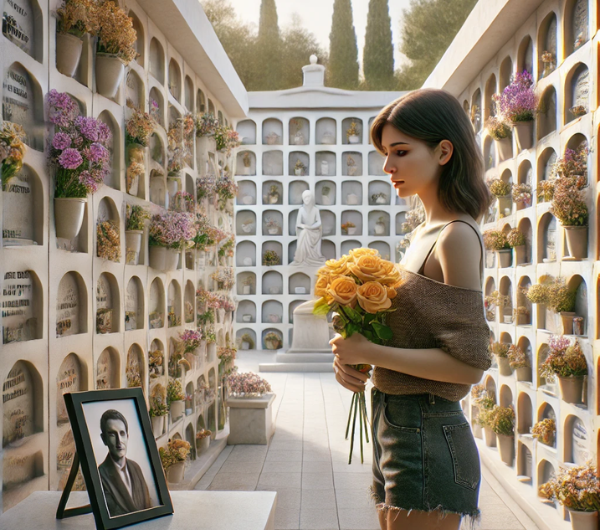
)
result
[(310, 351)]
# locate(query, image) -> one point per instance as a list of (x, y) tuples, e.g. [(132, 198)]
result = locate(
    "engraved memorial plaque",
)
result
[(67, 307), (64, 458), (581, 88), (18, 322), (18, 214), (580, 23), (18, 401), (581, 452), (106, 371), (67, 380), (17, 24), (134, 366), (18, 101), (103, 305)]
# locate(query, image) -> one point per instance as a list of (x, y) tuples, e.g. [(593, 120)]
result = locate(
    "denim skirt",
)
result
[(424, 455)]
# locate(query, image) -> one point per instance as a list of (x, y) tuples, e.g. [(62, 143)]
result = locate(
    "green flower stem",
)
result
[(353, 429), (350, 415), (360, 421), (364, 415)]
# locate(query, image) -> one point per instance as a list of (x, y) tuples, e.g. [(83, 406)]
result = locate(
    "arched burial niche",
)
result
[(548, 115), (325, 164), (547, 238), (525, 178), (272, 132), (211, 108), (476, 110), (157, 60), (156, 359), (292, 307), (23, 399), (156, 104), (576, 25), (506, 309), (544, 385), (524, 413), (245, 223), (25, 104), (107, 304), (272, 283), (379, 223), (272, 163), (140, 42), (175, 80), (379, 192), (349, 218), (272, 312), (247, 131), (491, 88), (298, 164), (134, 89), (71, 377), (525, 55), (246, 312), (382, 247), (189, 302), (545, 168), (190, 438), (23, 208), (246, 192), (352, 193), (174, 304), (108, 237), (525, 374), (156, 309), (272, 192), (349, 244), (299, 131), (245, 254), (114, 178), (524, 463), (506, 396), (246, 163), (376, 162), (547, 45), (189, 94), (489, 153), (352, 131), (490, 308), (295, 190), (490, 388), (524, 256), (242, 335), (325, 131), (523, 308), (328, 249), (272, 253), (546, 411), (71, 305), (246, 283), (576, 440), (23, 305), (577, 92), (577, 283), (108, 370), (545, 472), (134, 305), (325, 192), (299, 283), (26, 30), (505, 73), (134, 370), (200, 102)]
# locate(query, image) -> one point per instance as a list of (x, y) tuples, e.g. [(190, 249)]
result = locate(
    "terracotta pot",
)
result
[(68, 53), (506, 447), (504, 147), (571, 388), (566, 318), (505, 257), (68, 216), (504, 366), (524, 134), (176, 472), (177, 408), (583, 520), (524, 373), (577, 241), (109, 74), (490, 437), (202, 444), (157, 425)]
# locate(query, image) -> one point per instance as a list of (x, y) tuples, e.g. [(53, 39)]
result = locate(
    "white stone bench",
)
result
[(251, 420)]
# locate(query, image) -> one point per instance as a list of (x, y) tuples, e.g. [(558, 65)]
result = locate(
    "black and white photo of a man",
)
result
[(123, 482)]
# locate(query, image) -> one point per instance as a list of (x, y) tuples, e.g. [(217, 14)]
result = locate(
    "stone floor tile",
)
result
[(317, 455), (282, 467), (318, 498), (232, 466), (357, 498), (287, 518), (323, 519), (358, 518), (317, 481), (284, 456), (320, 466), (352, 481), (281, 480), (234, 482), (286, 445)]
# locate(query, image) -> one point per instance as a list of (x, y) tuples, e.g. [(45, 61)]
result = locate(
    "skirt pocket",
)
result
[(465, 456)]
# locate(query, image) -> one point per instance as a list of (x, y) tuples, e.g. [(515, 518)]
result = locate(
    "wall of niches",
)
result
[(281, 156), (568, 30), (56, 294)]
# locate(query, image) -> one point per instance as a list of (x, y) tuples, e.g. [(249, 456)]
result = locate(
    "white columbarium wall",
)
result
[(473, 71), (52, 287)]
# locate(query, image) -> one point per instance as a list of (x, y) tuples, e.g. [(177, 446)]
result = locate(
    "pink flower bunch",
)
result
[(228, 304), (573, 165), (568, 203), (172, 230), (79, 149), (248, 383), (191, 339), (518, 101), (206, 187), (224, 275), (183, 202), (226, 354)]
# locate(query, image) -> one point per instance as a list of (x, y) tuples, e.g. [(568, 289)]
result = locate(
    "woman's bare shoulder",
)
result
[(459, 254)]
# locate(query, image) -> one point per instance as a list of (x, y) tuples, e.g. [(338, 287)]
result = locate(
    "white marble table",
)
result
[(194, 510)]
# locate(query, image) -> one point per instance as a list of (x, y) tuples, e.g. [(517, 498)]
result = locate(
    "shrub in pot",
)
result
[(203, 440), (502, 423), (136, 216), (545, 431), (75, 18), (521, 194), (500, 131), (12, 145), (175, 398), (557, 297), (138, 129), (566, 361), (516, 240), (485, 403), (500, 350), (169, 234), (158, 412), (247, 385), (247, 342), (173, 459), (519, 361), (496, 241)]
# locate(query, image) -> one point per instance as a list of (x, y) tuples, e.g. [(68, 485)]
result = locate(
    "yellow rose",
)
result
[(321, 285), (368, 268), (343, 290), (391, 274), (391, 292), (373, 297), (358, 252)]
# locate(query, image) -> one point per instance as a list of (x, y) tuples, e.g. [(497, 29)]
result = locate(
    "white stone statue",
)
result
[(309, 231)]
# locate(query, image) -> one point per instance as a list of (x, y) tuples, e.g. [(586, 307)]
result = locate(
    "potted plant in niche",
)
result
[(325, 199), (379, 198), (496, 241), (272, 341), (115, 47), (477, 393), (202, 440), (158, 408), (247, 342), (169, 234), (75, 18), (349, 228), (273, 194), (272, 225), (175, 398), (578, 489), (206, 125), (173, 459), (299, 168), (352, 133), (486, 405), (521, 194), (380, 226), (503, 424), (567, 362), (297, 136), (501, 133), (138, 129), (247, 283), (549, 63), (80, 154), (351, 165), (516, 240), (271, 258), (501, 190), (500, 350), (247, 161), (519, 361), (544, 431), (136, 216), (108, 241), (12, 152)]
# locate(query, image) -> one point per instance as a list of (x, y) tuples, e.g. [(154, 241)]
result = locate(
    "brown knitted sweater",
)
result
[(431, 314)]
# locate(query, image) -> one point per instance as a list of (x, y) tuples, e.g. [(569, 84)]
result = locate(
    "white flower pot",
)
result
[(506, 448), (68, 53), (324, 168), (300, 290), (524, 373), (379, 229), (246, 318), (325, 200), (274, 199), (68, 216), (380, 200), (351, 198), (273, 231), (133, 243), (172, 189), (176, 472), (577, 241), (524, 134), (245, 345), (247, 262), (247, 170), (352, 170), (505, 257), (246, 289), (583, 520), (202, 444), (247, 228), (298, 172), (351, 230), (490, 437), (157, 425), (176, 408), (504, 149), (504, 366), (571, 388), (109, 74), (163, 259), (353, 139), (133, 187)]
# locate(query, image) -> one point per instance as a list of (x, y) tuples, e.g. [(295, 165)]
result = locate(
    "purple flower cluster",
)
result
[(172, 230), (61, 141), (63, 110), (70, 158), (518, 101)]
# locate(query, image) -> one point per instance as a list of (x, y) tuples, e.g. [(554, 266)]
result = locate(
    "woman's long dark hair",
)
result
[(433, 115)]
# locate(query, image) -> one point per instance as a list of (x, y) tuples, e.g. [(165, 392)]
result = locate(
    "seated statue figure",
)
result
[(309, 231)]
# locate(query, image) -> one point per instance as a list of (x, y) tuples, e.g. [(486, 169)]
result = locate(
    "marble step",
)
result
[(296, 367), (304, 357)]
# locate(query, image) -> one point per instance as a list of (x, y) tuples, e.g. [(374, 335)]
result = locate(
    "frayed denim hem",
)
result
[(470, 520)]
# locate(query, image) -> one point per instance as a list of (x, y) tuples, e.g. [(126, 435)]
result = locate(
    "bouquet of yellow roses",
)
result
[(359, 288)]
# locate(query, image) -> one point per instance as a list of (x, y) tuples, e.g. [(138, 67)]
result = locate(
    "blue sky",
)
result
[(316, 17)]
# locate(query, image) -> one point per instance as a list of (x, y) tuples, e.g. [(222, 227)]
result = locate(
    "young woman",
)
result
[(426, 471)]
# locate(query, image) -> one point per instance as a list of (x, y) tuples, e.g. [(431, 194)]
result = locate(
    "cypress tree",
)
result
[(378, 54), (343, 50), (269, 46)]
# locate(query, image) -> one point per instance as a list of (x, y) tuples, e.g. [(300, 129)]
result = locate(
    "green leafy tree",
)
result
[(268, 47), (378, 53), (343, 50), (428, 28)]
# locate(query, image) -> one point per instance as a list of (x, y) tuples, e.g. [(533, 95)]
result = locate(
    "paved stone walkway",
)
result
[(306, 461)]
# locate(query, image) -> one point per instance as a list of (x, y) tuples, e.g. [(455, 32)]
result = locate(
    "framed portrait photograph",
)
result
[(118, 456)]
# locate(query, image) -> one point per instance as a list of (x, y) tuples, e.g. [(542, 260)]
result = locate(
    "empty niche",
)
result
[(157, 60), (299, 283), (211, 108), (134, 370), (23, 398), (272, 312), (376, 162), (107, 304), (247, 131), (107, 370), (328, 224), (200, 102), (140, 42), (272, 283), (220, 118), (272, 192), (352, 193), (246, 163), (545, 473), (352, 164), (352, 131), (156, 309), (24, 105), (547, 36), (577, 283), (246, 192), (576, 441), (476, 110), (267, 342), (576, 23), (524, 463), (543, 384), (506, 308), (524, 413), (71, 305), (379, 223), (245, 223), (272, 223), (246, 283), (379, 192), (189, 94), (490, 309), (156, 106), (545, 167), (349, 244), (325, 192), (547, 238), (325, 164), (272, 132), (174, 304), (523, 309), (175, 79), (134, 89), (272, 163), (490, 90), (134, 305), (292, 247), (525, 180), (272, 253), (114, 178), (546, 412), (548, 116), (246, 312), (189, 300), (23, 303), (108, 228), (382, 247), (292, 307), (328, 249), (325, 131), (190, 437), (506, 396), (299, 131), (351, 223), (71, 377), (577, 91), (506, 68), (489, 153), (295, 191), (245, 254), (298, 164)]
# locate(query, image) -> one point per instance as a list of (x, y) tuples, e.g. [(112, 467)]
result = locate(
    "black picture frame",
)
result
[(75, 405)]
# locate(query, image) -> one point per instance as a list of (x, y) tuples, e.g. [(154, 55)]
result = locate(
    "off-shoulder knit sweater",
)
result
[(432, 314)]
